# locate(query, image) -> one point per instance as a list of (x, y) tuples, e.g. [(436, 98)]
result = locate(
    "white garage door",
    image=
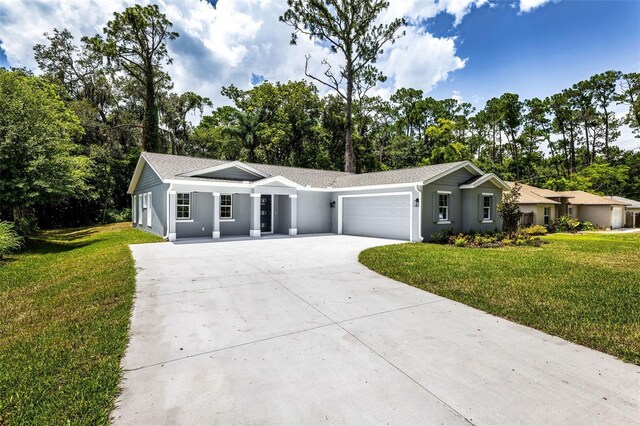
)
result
[(617, 217), (385, 216)]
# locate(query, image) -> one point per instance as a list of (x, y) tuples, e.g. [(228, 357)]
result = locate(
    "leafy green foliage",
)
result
[(10, 240), (583, 288), (509, 209), (38, 154), (65, 304), (568, 224), (535, 230)]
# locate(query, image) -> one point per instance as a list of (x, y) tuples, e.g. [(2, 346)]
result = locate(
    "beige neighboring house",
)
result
[(632, 217), (603, 212), (542, 206)]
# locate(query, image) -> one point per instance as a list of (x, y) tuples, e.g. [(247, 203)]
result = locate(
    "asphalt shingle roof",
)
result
[(632, 204), (174, 166), (585, 198)]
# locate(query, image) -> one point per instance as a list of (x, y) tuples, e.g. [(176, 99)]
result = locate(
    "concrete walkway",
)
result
[(296, 331)]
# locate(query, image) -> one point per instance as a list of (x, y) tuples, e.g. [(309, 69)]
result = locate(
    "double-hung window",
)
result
[(226, 206), (547, 215), (183, 206), (443, 207), (486, 207)]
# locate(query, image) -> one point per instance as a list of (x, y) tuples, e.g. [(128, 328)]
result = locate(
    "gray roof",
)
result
[(631, 204), (174, 166)]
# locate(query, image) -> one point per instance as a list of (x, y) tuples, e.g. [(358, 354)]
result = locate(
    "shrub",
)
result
[(26, 226), (565, 224), (535, 230), (487, 239), (115, 216), (587, 226), (442, 237), (509, 210), (9, 239)]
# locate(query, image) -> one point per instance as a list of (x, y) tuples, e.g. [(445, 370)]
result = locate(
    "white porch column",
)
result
[(254, 228), (293, 202), (216, 215), (171, 220)]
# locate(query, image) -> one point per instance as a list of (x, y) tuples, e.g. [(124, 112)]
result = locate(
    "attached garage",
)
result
[(617, 217), (376, 215)]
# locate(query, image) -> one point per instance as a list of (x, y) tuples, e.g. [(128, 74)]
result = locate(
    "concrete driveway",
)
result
[(296, 331)]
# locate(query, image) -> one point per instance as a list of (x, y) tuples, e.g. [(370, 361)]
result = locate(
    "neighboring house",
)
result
[(178, 197), (542, 206), (601, 211), (632, 216)]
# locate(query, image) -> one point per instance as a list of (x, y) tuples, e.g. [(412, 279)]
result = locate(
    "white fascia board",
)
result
[(363, 188), (280, 179), (236, 164), (142, 160), (465, 165), (488, 177)]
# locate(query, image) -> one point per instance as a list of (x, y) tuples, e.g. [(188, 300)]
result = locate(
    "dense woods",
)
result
[(70, 137)]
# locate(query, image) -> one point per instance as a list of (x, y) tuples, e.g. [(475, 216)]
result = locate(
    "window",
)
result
[(486, 207), (183, 206), (226, 206), (134, 208), (140, 209), (144, 201), (443, 207), (570, 211), (547, 215), (149, 210)]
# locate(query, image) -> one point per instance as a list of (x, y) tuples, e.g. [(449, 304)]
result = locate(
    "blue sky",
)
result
[(541, 52), (529, 47)]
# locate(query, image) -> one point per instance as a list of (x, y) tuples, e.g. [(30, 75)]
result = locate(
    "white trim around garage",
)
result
[(380, 194)]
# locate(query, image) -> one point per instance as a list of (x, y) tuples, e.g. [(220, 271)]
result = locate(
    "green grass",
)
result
[(65, 304), (584, 288)]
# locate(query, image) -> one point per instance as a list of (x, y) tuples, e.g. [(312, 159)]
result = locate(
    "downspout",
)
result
[(419, 189), (166, 233)]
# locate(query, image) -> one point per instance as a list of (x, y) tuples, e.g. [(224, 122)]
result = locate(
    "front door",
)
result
[(265, 213)]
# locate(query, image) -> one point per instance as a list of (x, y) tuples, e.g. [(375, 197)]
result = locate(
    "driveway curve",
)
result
[(296, 331)]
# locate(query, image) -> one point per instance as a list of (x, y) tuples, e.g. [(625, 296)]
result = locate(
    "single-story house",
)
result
[(180, 197), (632, 216), (542, 206), (601, 211)]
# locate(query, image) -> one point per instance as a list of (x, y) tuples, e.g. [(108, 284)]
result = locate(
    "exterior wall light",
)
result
[(332, 204), (416, 202)]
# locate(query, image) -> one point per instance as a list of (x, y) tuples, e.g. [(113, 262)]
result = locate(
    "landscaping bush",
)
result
[(565, 224), (26, 226), (587, 226), (442, 237), (9, 239), (535, 230), (488, 239), (116, 216)]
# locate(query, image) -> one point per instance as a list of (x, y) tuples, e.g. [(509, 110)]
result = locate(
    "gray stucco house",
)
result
[(183, 197)]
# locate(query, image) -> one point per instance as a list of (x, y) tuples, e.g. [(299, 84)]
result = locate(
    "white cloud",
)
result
[(227, 44), (529, 5)]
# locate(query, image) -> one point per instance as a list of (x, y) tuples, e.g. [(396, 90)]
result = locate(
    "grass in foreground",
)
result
[(583, 288), (65, 304)]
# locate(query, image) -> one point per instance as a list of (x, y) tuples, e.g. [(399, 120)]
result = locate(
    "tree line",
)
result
[(70, 137)]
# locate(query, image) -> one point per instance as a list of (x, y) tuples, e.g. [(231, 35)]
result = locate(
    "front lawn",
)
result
[(584, 288), (65, 304)]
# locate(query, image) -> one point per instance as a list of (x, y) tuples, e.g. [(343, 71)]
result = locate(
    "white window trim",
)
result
[(230, 218), (184, 219), (446, 220), (545, 215), (490, 197), (149, 211), (134, 209), (140, 209)]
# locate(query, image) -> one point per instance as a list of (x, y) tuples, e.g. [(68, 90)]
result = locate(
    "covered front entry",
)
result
[(376, 215)]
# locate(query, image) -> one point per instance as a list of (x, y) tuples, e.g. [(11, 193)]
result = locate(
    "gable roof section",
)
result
[(632, 204), (226, 166), (530, 194), (587, 199), (176, 168), (414, 175), (479, 180)]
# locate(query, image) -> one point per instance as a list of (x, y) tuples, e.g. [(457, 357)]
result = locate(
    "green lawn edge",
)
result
[(65, 309), (584, 288)]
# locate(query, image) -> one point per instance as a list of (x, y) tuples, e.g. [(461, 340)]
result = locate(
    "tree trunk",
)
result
[(150, 130), (606, 133), (349, 155)]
